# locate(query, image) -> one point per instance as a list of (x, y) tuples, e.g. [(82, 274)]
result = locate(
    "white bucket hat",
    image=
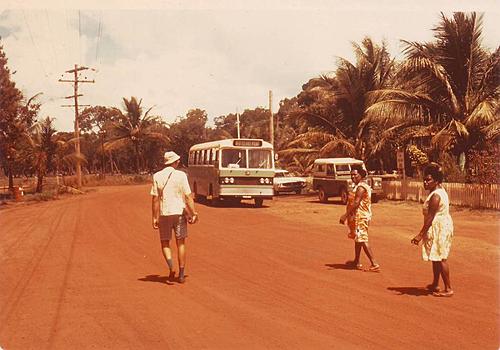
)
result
[(171, 157)]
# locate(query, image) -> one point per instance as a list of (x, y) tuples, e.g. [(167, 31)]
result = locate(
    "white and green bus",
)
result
[(232, 169)]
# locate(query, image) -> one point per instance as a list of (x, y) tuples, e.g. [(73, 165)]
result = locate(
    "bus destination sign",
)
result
[(247, 143)]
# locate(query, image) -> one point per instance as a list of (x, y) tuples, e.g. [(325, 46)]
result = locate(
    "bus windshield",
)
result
[(234, 158), (260, 158), (237, 158)]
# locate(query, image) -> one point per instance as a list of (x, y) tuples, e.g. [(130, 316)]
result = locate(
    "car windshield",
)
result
[(260, 158)]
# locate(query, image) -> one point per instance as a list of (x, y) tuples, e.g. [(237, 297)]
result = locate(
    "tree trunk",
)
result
[(136, 157), (39, 183), (381, 162), (11, 180)]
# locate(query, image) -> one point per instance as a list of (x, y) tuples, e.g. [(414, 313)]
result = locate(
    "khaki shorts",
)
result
[(169, 223)]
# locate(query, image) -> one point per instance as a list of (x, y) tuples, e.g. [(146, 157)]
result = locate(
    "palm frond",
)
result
[(484, 114), (290, 152), (338, 148), (492, 131), (449, 135), (424, 64), (312, 138), (118, 143)]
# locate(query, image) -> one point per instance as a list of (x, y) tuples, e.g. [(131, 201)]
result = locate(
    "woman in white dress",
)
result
[(437, 231)]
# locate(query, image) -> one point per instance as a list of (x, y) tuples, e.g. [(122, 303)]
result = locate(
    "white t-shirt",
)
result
[(174, 192)]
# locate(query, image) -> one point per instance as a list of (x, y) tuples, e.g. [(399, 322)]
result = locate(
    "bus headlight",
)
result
[(261, 180), (226, 180), (266, 180), (231, 180)]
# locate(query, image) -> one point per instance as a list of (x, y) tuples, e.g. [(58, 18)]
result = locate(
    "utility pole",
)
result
[(77, 126), (271, 122), (238, 123)]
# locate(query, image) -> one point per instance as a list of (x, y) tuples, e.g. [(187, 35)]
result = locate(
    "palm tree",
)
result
[(133, 128), (334, 105), (446, 90), (40, 150)]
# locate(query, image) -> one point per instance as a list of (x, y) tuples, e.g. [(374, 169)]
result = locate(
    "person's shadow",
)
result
[(415, 291), (345, 266), (156, 278)]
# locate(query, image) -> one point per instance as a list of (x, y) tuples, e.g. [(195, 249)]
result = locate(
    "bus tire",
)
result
[(259, 202), (196, 196), (213, 201), (322, 196)]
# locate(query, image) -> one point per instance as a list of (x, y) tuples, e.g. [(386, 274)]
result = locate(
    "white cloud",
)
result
[(219, 58)]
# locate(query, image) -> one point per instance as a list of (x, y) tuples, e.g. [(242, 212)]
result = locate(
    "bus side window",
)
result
[(214, 156), (208, 156), (197, 158), (212, 151)]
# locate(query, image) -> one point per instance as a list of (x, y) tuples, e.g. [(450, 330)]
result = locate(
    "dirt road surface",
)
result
[(86, 272)]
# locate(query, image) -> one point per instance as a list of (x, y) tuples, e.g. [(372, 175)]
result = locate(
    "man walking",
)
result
[(358, 215), (172, 202)]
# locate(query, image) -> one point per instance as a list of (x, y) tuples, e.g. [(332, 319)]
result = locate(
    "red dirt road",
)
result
[(87, 272)]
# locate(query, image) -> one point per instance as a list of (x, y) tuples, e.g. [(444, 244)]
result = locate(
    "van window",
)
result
[(343, 169), (329, 169)]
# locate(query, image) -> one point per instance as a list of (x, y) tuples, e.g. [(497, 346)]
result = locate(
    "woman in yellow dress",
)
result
[(358, 215), (437, 231)]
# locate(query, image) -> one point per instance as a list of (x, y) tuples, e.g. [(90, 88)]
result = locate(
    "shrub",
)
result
[(484, 165)]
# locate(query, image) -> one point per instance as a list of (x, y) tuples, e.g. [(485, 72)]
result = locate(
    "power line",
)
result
[(56, 58), (99, 35), (80, 36), (36, 47)]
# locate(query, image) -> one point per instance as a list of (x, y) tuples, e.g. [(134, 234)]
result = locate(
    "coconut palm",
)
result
[(446, 90), (333, 105), (40, 149), (133, 128)]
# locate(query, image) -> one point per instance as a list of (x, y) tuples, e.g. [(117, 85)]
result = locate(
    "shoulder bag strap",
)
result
[(160, 192)]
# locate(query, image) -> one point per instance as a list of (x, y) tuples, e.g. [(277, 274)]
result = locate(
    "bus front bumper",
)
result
[(246, 193)]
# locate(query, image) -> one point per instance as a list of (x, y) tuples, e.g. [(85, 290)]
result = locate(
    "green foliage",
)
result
[(442, 100), (16, 117), (188, 131), (42, 196), (451, 169), (446, 89), (484, 165), (134, 128)]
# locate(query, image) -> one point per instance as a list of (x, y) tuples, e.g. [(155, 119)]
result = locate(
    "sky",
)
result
[(220, 56)]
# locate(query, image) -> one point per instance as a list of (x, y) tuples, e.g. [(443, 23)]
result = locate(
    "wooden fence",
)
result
[(485, 196)]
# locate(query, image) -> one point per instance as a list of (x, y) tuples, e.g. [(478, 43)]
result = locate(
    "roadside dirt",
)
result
[(87, 272)]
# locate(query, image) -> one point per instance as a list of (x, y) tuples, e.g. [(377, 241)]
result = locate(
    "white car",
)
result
[(286, 182)]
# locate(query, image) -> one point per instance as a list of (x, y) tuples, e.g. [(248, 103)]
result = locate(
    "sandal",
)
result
[(171, 276), (432, 288), (445, 294), (374, 268)]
